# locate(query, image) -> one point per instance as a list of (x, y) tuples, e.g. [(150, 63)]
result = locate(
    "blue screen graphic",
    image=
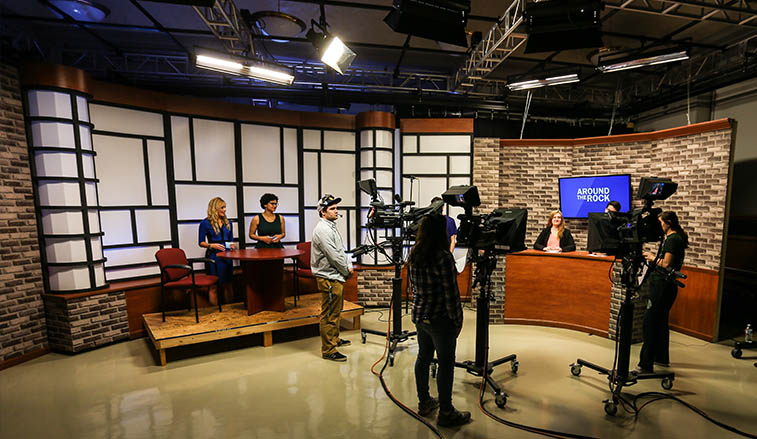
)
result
[(581, 195)]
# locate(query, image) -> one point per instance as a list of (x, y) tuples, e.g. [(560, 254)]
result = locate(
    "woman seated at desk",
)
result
[(268, 227), (555, 237), (216, 234)]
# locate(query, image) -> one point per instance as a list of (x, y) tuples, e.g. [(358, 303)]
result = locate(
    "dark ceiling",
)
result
[(149, 44)]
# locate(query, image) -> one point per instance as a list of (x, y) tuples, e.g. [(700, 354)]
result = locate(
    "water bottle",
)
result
[(748, 333)]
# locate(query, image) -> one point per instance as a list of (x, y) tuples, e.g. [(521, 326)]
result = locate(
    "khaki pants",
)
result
[(331, 313)]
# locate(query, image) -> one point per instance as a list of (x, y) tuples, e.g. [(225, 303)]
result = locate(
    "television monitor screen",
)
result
[(602, 236), (580, 196)]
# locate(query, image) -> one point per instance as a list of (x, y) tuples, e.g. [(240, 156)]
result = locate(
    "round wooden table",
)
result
[(263, 270)]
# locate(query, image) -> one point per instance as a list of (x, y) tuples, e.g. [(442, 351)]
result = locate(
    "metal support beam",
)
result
[(224, 21)]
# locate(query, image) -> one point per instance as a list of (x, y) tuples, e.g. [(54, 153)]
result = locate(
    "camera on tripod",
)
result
[(501, 231), (620, 233), (394, 216)]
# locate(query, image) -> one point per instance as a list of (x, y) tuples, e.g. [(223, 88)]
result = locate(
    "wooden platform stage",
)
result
[(180, 328)]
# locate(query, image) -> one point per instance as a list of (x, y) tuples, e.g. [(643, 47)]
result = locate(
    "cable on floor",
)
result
[(388, 392)]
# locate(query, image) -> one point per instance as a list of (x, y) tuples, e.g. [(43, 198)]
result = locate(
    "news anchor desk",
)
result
[(565, 290)]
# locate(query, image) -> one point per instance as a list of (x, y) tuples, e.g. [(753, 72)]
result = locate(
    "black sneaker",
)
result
[(656, 363), (453, 418), (428, 406), (336, 356), (343, 342)]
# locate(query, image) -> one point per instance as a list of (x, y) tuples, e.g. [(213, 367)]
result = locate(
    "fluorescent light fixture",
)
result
[(255, 69), (337, 55), (536, 83), (643, 62)]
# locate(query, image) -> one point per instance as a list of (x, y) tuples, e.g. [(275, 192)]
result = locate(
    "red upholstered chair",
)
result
[(176, 272), (302, 268)]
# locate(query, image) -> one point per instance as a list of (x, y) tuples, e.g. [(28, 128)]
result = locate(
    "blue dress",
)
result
[(223, 268)]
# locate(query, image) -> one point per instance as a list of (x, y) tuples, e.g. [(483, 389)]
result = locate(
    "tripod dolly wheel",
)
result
[(736, 353), (500, 399), (575, 369), (433, 370), (611, 408), (514, 367), (667, 383), (362, 336)]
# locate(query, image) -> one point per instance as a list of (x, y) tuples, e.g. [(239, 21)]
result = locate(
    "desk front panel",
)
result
[(566, 290)]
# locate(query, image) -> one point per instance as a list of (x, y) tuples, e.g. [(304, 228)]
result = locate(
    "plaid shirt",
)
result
[(435, 292)]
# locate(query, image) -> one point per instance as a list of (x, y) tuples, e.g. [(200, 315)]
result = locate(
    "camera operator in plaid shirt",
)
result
[(438, 317)]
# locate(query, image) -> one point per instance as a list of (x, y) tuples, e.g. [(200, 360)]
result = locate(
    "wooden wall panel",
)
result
[(562, 290), (695, 308), (436, 126)]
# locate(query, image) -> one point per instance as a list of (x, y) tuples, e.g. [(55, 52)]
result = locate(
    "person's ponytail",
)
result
[(670, 218)]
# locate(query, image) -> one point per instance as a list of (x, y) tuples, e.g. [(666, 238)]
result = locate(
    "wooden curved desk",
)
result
[(263, 270), (567, 290)]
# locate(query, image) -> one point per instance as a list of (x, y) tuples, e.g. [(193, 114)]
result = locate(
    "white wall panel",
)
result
[(431, 143), (366, 138), (94, 221), (310, 175), (56, 164), (339, 140), (99, 270), (311, 139), (366, 158), (459, 181), (90, 189), (428, 188), (125, 273), (97, 248), (292, 223), (189, 240), (288, 198), (49, 103), (65, 250), (59, 194), (459, 165), (384, 178), (68, 278), (156, 154), (192, 200), (261, 154), (182, 155), (85, 136), (338, 176), (384, 138), (117, 227), (424, 165), (311, 219), (88, 165), (62, 222), (409, 144), (384, 159), (82, 108), (55, 134), (214, 150), (130, 255), (153, 225), (120, 168), (291, 157), (127, 121)]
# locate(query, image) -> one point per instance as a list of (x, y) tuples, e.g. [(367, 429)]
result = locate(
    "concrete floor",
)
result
[(288, 391)]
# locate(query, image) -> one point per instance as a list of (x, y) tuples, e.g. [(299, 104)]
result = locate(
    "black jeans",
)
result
[(656, 332), (439, 336)]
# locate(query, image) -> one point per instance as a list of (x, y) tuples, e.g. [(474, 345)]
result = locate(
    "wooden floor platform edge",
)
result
[(266, 328)]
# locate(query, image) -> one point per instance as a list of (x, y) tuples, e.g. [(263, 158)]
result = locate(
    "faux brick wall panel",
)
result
[(86, 322), (22, 316)]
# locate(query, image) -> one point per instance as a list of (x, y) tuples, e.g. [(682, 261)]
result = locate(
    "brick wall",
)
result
[(22, 318), (79, 324), (374, 287)]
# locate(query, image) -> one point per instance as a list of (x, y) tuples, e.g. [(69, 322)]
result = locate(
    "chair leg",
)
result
[(220, 293), (163, 302), (194, 296), (296, 281)]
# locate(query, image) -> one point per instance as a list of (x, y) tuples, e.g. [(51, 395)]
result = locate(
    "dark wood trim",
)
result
[(24, 357), (55, 75), (436, 126), (703, 127), (375, 119)]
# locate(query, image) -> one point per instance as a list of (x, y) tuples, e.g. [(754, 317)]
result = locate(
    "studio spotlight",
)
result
[(239, 66), (616, 65), (334, 53), (546, 82)]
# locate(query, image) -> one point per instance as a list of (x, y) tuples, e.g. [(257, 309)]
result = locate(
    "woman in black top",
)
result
[(555, 237), (268, 227), (662, 294)]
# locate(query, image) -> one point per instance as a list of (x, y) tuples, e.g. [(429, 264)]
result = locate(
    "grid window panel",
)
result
[(130, 255), (56, 164), (182, 155), (409, 144), (126, 121), (291, 156), (117, 227), (59, 194), (288, 198), (120, 165), (311, 139), (310, 175), (214, 150), (424, 165), (132, 272), (456, 144), (366, 138), (156, 153), (339, 140), (61, 222), (68, 278), (153, 225), (46, 103), (85, 136), (56, 134), (384, 138), (82, 108), (261, 153), (338, 176), (192, 200)]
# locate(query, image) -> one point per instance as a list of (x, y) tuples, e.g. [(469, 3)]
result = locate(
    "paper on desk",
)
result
[(460, 263)]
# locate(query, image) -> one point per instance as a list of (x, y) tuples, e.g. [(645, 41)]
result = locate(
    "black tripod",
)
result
[(397, 335), (485, 265), (619, 376)]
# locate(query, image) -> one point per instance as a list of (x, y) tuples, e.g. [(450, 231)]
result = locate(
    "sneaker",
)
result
[(427, 407), (662, 364), (640, 371), (343, 342), (336, 356), (453, 418)]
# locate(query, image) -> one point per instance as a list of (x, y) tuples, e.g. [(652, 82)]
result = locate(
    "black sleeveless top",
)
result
[(266, 228)]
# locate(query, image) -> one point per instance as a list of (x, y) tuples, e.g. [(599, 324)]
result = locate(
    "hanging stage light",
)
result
[(239, 66), (649, 60), (546, 82)]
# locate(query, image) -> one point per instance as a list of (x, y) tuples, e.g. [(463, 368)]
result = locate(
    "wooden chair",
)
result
[(176, 272)]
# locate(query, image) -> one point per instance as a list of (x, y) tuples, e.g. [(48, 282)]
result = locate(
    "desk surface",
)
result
[(261, 254), (574, 255)]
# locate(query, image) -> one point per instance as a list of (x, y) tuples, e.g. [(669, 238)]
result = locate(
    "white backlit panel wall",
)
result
[(270, 164), (133, 187), (376, 162), (329, 167), (63, 169), (433, 162)]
